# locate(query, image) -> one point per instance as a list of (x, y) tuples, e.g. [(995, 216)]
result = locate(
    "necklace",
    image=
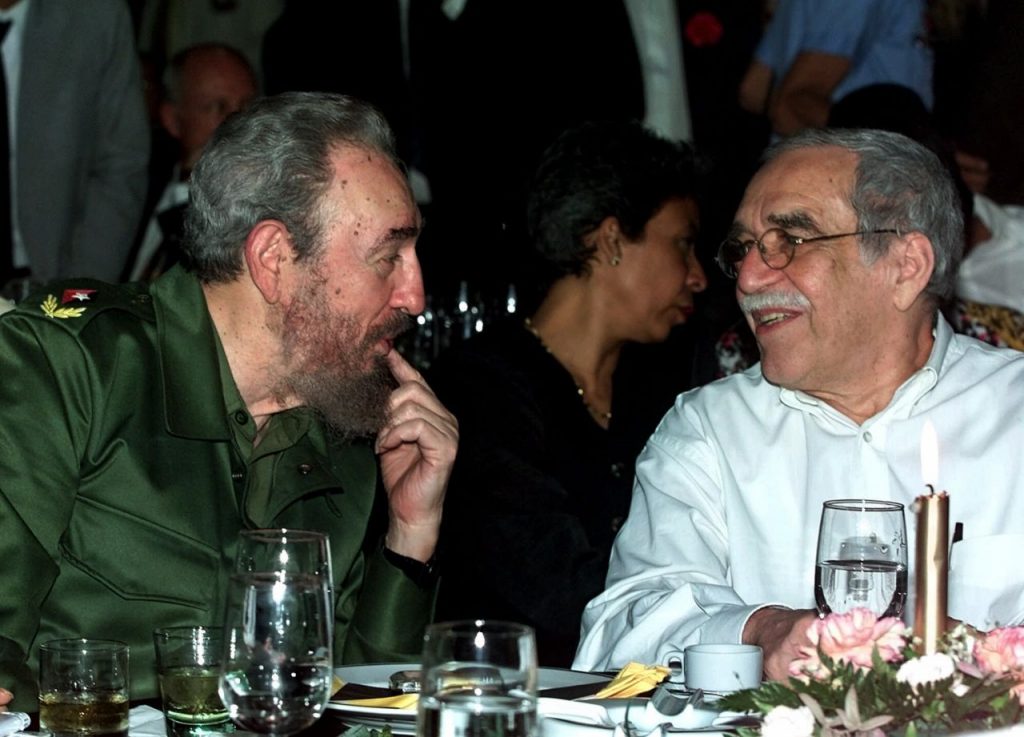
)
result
[(598, 414)]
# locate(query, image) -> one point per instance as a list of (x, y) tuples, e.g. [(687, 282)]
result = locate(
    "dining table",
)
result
[(332, 723)]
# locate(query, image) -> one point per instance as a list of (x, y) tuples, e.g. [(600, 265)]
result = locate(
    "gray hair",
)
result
[(272, 161), (899, 184)]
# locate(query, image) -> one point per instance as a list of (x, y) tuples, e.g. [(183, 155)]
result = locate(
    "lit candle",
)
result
[(932, 548)]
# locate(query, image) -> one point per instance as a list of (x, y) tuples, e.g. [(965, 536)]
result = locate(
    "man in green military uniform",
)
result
[(141, 427)]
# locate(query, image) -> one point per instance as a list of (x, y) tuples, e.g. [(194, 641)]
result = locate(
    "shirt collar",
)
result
[(194, 395), (201, 398)]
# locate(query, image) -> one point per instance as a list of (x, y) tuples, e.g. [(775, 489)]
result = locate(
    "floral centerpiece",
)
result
[(863, 676)]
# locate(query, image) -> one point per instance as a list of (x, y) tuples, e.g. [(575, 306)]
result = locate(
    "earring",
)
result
[(615, 260)]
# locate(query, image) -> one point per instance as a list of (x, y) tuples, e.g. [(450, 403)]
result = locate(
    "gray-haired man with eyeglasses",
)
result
[(844, 247)]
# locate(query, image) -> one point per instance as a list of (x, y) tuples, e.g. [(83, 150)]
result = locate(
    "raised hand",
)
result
[(417, 448)]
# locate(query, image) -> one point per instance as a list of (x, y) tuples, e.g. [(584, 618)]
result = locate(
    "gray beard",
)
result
[(329, 361), (351, 406)]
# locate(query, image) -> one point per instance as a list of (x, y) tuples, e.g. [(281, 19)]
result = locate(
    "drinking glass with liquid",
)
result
[(862, 557), (277, 670), (188, 667), (83, 688), (479, 678)]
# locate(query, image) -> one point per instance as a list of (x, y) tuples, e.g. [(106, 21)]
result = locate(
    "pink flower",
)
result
[(1001, 651), (850, 638)]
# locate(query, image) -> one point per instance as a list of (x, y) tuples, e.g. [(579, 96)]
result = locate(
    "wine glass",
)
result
[(277, 668), (286, 550), (862, 557), (479, 678)]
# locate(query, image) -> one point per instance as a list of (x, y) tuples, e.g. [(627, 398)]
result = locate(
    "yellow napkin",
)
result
[(632, 680), (402, 701)]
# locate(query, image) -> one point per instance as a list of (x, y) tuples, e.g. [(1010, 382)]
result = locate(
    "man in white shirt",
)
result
[(843, 246)]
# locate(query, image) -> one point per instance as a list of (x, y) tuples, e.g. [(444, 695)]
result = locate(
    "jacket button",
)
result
[(241, 417), (617, 469), (305, 469)]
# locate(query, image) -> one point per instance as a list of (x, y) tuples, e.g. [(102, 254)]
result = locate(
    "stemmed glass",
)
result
[(479, 678), (277, 667), (862, 557)]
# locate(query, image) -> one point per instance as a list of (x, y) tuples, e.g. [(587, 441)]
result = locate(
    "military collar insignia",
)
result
[(51, 309)]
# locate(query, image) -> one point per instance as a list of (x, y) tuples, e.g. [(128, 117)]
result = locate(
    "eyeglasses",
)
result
[(776, 247)]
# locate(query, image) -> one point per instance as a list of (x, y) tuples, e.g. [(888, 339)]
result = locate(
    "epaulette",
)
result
[(74, 302)]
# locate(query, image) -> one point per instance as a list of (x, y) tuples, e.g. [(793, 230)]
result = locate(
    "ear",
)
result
[(607, 238), (913, 264), (169, 119), (268, 254)]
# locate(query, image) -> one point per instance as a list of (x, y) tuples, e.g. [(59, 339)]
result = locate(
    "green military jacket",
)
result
[(123, 484)]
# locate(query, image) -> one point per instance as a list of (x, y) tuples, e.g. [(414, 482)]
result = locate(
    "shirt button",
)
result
[(305, 469), (237, 475), (617, 523), (867, 436), (241, 417)]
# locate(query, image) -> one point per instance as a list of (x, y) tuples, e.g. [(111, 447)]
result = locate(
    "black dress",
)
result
[(539, 489)]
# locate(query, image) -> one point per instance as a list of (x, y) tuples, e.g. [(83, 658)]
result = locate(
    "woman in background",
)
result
[(552, 409)]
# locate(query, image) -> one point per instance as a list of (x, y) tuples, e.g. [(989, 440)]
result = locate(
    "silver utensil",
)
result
[(672, 701)]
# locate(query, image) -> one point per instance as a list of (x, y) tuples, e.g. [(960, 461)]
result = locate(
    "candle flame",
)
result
[(929, 454)]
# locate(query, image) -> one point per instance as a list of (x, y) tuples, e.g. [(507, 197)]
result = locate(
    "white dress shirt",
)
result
[(174, 194), (729, 491)]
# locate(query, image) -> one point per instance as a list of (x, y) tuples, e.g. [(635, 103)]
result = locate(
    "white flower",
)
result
[(782, 721), (926, 669)]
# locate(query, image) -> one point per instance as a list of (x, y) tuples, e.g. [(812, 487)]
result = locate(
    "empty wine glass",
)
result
[(862, 557), (277, 667), (479, 678)]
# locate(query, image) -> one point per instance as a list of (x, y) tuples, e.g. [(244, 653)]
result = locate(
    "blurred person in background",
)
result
[(203, 85), (815, 52), (78, 141), (555, 409)]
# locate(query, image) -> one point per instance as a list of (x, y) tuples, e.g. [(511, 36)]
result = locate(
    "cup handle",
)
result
[(674, 661)]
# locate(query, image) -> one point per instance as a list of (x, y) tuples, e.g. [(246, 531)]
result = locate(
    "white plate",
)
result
[(698, 722), (403, 721)]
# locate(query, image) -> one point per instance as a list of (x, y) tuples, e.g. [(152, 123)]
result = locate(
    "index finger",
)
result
[(401, 369)]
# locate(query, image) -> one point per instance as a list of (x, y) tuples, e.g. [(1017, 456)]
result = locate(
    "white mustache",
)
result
[(765, 300)]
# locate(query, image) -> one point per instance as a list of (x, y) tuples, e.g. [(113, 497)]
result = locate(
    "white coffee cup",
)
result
[(722, 667)]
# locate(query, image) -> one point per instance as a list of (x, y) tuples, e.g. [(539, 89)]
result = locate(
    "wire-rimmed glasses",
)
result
[(776, 247)]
